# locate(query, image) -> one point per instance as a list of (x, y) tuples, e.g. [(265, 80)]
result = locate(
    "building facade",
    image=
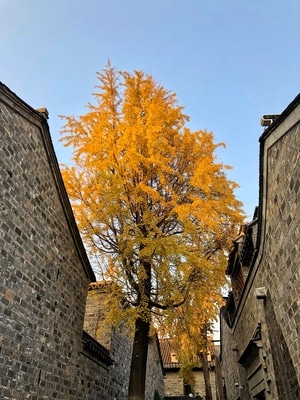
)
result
[(174, 386), (119, 343), (260, 324), (45, 276)]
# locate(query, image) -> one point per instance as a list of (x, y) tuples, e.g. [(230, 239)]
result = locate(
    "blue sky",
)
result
[(229, 62)]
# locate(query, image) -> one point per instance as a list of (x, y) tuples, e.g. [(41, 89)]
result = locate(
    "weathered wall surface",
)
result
[(271, 323), (43, 283), (118, 344), (174, 384), (200, 384), (120, 347), (154, 374)]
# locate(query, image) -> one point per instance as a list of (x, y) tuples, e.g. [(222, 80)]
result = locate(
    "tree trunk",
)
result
[(203, 358), (137, 381)]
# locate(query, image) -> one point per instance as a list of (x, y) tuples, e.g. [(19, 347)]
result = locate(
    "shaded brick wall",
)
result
[(43, 283), (154, 377), (174, 384), (282, 263), (277, 270), (120, 347)]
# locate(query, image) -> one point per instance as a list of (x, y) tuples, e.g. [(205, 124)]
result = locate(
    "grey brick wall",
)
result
[(154, 377), (120, 347), (43, 283), (277, 270), (174, 384)]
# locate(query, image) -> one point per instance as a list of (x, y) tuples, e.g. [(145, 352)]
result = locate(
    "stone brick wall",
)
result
[(154, 374), (95, 311), (43, 281), (120, 347), (118, 344), (271, 321), (200, 384), (174, 384)]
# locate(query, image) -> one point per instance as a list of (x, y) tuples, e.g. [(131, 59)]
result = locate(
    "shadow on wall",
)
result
[(285, 373)]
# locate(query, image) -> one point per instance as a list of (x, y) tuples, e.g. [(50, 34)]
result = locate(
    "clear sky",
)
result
[(229, 62)]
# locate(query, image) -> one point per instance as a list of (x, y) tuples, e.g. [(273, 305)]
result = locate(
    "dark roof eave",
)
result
[(280, 118), (94, 347)]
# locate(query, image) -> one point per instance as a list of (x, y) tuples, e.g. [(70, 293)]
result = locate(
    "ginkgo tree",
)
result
[(154, 206)]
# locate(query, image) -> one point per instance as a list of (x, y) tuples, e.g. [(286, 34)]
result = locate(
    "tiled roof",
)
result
[(166, 350)]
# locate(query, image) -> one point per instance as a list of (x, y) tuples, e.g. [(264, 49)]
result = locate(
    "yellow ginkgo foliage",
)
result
[(153, 204)]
